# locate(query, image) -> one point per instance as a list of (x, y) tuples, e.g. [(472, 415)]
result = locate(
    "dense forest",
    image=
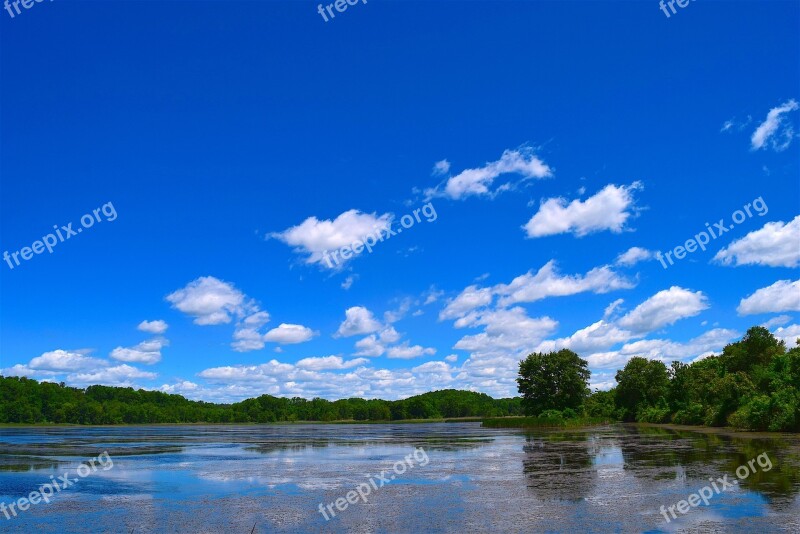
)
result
[(754, 384), (27, 401)]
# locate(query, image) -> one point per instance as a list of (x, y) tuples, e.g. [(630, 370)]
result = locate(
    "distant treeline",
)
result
[(27, 401), (754, 384)]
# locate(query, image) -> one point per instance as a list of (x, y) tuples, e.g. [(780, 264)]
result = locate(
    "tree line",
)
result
[(753, 384), (27, 401)]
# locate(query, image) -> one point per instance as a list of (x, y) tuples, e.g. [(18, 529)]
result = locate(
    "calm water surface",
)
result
[(231, 478)]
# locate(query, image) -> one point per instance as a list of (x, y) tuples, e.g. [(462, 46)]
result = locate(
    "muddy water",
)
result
[(463, 478)]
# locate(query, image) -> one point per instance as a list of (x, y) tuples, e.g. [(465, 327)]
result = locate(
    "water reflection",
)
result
[(577, 465), (561, 465)]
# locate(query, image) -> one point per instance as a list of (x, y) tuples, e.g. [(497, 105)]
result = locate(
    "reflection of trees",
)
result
[(666, 453), (560, 465), (428, 444), (22, 463)]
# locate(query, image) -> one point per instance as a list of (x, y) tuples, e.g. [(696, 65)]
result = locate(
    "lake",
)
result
[(437, 477)]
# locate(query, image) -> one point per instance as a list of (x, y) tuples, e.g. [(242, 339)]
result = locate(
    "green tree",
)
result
[(553, 381), (641, 384)]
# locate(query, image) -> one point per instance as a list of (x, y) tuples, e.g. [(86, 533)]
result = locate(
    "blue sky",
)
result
[(557, 146)]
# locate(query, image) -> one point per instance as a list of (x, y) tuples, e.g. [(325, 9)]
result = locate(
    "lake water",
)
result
[(462, 478)]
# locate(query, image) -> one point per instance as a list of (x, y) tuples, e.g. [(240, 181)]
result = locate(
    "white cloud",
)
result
[(479, 181), (358, 320), (289, 333), (609, 209), (595, 337), (147, 352), (470, 298), (348, 282), (392, 316), (247, 339), (184, 387), (370, 346), (406, 352), (778, 320), (210, 301), (273, 368), (314, 237), (62, 360), (664, 350), (389, 335), (548, 282), (634, 255), (508, 331), (776, 244), (612, 308), (326, 363), (789, 335), (441, 167), (432, 295), (120, 375), (664, 308), (775, 123), (782, 296), (452, 358), (153, 327)]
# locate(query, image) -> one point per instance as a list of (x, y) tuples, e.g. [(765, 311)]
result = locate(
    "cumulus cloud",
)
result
[(664, 308), (778, 320), (479, 181), (634, 255), (147, 352), (789, 335), (120, 375), (153, 327), (782, 296), (184, 387), (595, 337), (507, 330), (776, 244), (548, 282), (326, 363), (405, 352), (63, 360), (470, 298), (665, 350), (210, 301), (314, 237), (289, 333), (370, 346), (358, 321), (609, 209), (776, 131)]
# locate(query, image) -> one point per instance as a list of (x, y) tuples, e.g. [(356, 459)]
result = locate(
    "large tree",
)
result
[(553, 381), (641, 384)]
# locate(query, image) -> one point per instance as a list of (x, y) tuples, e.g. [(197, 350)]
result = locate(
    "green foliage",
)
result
[(553, 381), (31, 402), (641, 384), (543, 422), (552, 417), (754, 384)]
